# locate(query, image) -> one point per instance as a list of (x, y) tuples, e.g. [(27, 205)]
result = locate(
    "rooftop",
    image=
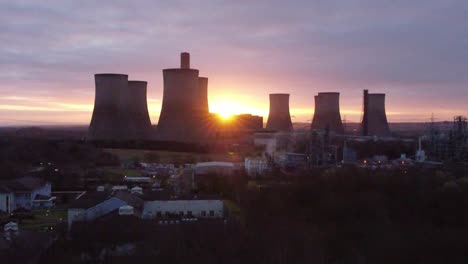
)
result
[(90, 199), (214, 164), (24, 184)]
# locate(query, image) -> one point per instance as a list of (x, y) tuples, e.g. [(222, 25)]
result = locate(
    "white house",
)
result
[(90, 206), (26, 192)]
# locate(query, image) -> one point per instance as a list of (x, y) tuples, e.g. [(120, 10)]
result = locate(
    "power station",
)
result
[(184, 110), (279, 117), (120, 109), (327, 113), (374, 119)]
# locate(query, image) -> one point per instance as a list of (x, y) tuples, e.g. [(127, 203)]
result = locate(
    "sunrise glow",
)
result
[(226, 108)]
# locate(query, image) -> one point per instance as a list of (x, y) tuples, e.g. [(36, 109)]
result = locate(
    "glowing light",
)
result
[(228, 107), (225, 116)]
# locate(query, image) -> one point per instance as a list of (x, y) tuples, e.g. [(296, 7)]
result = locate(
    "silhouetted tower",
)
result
[(279, 117), (327, 113), (374, 120), (183, 110), (365, 107), (120, 109), (137, 109), (108, 121), (203, 92)]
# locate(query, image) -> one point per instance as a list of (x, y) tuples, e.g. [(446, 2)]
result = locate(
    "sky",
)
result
[(414, 51)]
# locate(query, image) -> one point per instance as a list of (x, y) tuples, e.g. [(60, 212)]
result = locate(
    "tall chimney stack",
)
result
[(185, 60)]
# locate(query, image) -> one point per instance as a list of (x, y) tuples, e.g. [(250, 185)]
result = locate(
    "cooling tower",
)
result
[(279, 117), (136, 108), (107, 121), (181, 111), (203, 92), (374, 121), (327, 112)]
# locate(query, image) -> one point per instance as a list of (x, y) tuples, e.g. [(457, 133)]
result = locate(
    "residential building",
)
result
[(25, 192), (90, 206)]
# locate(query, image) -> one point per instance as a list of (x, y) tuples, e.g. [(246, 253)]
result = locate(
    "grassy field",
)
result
[(172, 157), (118, 172), (44, 219)]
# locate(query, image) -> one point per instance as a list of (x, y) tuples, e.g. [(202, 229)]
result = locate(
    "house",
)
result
[(23, 246), (25, 192), (90, 206), (93, 205)]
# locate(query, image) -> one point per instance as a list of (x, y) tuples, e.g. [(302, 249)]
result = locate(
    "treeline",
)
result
[(18, 156), (360, 216), (151, 145)]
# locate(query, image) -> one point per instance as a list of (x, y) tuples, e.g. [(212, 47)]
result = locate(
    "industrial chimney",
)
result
[(107, 121), (374, 120), (327, 112), (279, 117), (181, 111)]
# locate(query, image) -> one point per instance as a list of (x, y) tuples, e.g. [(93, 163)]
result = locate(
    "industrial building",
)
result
[(374, 120), (248, 122), (327, 113), (279, 117), (120, 109), (200, 207), (184, 113), (255, 166), (215, 167)]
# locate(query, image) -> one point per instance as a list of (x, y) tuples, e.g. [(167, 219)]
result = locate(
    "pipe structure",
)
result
[(327, 113), (375, 118), (279, 117), (107, 121), (181, 118), (136, 105)]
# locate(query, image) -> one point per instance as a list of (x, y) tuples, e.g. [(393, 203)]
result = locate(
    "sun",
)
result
[(225, 109), (228, 108), (225, 115)]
